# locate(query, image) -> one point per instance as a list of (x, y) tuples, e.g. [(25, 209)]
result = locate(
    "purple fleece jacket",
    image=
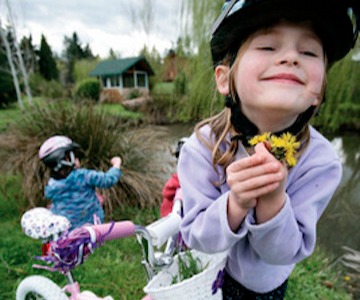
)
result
[(261, 257)]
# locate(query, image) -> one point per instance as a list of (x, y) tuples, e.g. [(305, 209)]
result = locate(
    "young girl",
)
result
[(270, 59), (72, 190)]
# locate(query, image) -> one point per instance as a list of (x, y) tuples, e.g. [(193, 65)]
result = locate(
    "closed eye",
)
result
[(266, 48), (310, 53)]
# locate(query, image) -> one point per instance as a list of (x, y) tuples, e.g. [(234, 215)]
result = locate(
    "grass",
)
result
[(163, 88), (317, 279), (13, 113), (115, 268), (9, 115), (119, 110)]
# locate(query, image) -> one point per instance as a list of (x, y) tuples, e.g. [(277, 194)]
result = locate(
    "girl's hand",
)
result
[(253, 177), (116, 162), (249, 179), (271, 202), (283, 171)]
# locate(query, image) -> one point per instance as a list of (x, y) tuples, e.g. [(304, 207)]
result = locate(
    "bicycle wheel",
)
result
[(37, 287)]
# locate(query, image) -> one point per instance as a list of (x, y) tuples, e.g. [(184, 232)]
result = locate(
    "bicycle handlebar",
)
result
[(161, 230), (72, 248), (112, 231)]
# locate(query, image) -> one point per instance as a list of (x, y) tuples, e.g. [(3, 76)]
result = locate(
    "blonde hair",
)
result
[(221, 126)]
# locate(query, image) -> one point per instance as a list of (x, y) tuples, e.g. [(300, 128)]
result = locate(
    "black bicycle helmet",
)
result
[(335, 21), (53, 152), (179, 145)]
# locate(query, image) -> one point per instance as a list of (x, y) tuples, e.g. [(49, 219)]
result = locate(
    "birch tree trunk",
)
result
[(19, 56)]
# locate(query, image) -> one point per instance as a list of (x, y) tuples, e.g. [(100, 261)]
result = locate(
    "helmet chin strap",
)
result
[(66, 163), (246, 130)]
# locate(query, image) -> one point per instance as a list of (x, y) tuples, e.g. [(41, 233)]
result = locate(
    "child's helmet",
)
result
[(335, 21), (179, 145), (54, 151)]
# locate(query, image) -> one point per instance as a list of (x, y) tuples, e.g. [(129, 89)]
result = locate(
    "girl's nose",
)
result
[(289, 57)]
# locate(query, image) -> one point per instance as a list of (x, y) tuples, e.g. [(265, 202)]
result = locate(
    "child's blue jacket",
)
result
[(75, 196)]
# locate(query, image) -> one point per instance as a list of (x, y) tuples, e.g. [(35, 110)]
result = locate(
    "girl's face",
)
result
[(279, 75), (77, 163)]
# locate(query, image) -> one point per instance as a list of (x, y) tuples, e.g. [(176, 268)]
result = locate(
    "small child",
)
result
[(71, 189), (172, 186), (241, 194)]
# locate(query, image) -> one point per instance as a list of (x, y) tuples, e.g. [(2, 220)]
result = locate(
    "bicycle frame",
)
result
[(161, 231)]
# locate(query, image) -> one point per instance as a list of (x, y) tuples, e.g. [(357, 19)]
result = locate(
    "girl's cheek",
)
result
[(317, 77)]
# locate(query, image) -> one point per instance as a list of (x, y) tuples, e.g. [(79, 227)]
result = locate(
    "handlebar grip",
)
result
[(121, 229), (161, 230)]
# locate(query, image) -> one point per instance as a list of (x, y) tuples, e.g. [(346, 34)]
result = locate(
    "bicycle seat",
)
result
[(40, 222)]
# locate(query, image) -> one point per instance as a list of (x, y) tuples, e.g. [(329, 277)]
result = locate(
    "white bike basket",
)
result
[(198, 287)]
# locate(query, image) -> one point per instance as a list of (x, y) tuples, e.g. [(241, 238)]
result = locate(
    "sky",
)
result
[(101, 24)]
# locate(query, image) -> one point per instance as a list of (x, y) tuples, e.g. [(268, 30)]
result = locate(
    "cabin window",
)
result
[(128, 80), (114, 81), (141, 80)]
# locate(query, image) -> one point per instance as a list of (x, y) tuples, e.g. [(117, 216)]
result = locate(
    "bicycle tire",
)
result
[(39, 287)]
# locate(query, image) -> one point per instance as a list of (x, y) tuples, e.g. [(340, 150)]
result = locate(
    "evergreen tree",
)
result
[(87, 53), (7, 89), (113, 55), (72, 53), (29, 54), (73, 49), (47, 64)]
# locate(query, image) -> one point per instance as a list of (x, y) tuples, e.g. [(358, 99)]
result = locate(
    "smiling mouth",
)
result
[(285, 78)]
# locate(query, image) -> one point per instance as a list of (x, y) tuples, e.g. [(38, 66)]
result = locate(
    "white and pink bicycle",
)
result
[(66, 251)]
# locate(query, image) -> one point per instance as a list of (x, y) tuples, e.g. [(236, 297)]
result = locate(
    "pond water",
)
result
[(339, 225)]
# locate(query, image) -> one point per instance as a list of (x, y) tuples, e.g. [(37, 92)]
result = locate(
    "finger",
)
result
[(256, 182), (256, 193), (267, 168), (246, 163), (264, 147), (264, 150)]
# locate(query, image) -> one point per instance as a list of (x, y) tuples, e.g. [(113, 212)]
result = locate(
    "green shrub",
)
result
[(88, 89), (134, 93), (83, 67), (162, 109), (164, 88), (49, 89), (101, 137), (181, 84), (7, 90)]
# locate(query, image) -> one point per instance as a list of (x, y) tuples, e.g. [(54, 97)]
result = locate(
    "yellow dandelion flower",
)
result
[(290, 140), (288, 137), (277, 142), (347, 278), (283, 147), (259, 139), (290, 159)]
